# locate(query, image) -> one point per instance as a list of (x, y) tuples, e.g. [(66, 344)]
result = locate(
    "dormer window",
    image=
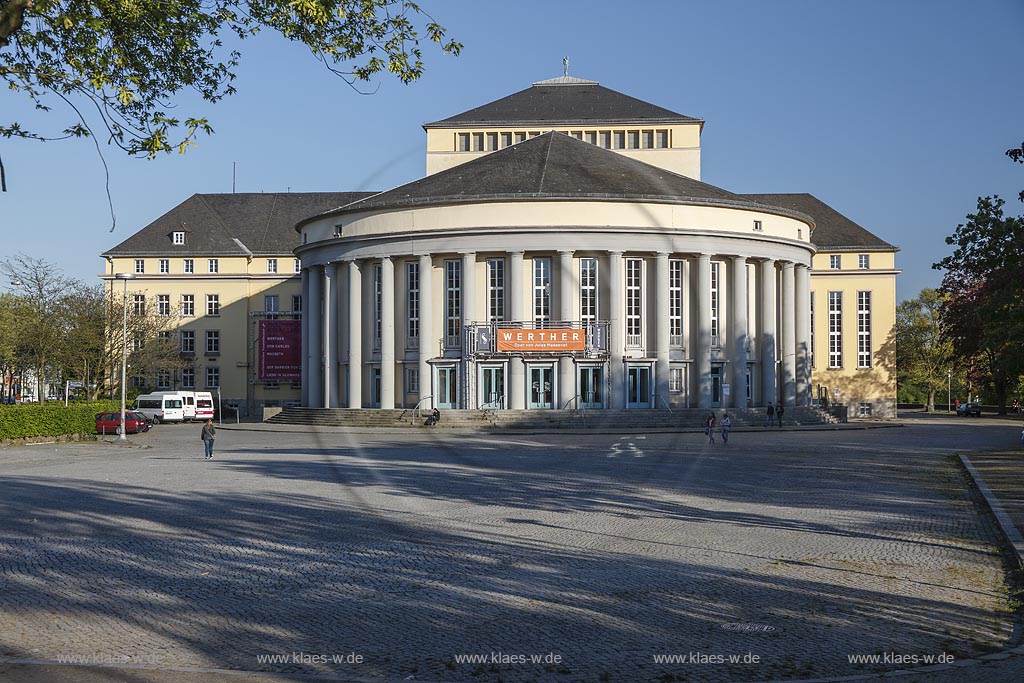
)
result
[(758, 227), (178, 237)]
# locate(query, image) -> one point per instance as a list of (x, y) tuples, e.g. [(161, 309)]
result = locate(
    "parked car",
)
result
[(110, 423), (142, 417), (968, 409)]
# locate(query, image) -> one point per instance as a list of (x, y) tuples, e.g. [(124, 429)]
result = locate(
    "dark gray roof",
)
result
[(264, 223), (832, 229), (563, 101), (551, 166)]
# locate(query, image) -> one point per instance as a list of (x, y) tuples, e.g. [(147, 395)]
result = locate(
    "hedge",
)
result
[(52, 419)]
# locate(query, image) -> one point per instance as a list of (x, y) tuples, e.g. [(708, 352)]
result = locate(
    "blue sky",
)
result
[(895, 113)]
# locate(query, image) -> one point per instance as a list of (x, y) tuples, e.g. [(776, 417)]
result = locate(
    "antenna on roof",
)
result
[(234, 164), (565, 65)]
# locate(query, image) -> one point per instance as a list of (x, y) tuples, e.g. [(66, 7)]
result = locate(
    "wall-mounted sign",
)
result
[(280, 350), (541, 340)]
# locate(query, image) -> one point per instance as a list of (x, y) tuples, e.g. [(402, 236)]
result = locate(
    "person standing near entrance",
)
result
[(769, 415), (726, 426), (208, 434), (709, 427), (779, 411)]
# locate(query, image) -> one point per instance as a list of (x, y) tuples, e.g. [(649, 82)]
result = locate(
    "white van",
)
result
[(188, 401), (161, 407), (204, 405)]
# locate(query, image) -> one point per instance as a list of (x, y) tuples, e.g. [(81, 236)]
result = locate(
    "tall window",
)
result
[(412, 302), (138, 304), (213, 341), (863, 261), (163, 304), (495, 289), (188, 265), (588, 291), (675, 303), (675, 380), (271, 265), (188, 341), (716, 328), (212, 377), (140, 265), (835, 329), (835, 262), (213, 304), (634, 302), (271, 305), (297, 267), (541, 291), (188, 305), (296, 303), (188, 378), (212, 266), (378, 302), (165, 266), (863, 329), (163, 379), (452, 302)]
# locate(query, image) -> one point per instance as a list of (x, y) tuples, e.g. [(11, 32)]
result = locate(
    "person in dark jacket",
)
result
[(208, 434), (779, 412)]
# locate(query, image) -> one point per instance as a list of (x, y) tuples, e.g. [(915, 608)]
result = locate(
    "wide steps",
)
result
[(684, 419)]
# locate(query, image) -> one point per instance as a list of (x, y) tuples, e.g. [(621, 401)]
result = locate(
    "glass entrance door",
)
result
[(542, 390), (492, 387), (638, 389), (375, 387), (716, 387), (447, 387), (591, 383)]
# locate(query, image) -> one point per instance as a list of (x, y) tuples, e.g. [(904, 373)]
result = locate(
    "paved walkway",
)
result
[(609, 553)]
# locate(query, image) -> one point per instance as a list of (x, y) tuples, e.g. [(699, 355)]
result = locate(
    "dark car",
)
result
[(968, 409), (110, 423), (142, 417)]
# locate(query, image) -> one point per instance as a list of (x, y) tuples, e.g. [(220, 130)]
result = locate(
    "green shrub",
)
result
[(51, 419)]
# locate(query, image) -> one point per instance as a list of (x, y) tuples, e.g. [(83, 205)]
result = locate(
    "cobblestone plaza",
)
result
[(447, 556)]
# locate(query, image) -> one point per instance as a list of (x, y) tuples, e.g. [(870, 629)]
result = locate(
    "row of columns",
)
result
[(320, 329)]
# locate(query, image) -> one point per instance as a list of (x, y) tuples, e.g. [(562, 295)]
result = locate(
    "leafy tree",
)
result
[(129, 61), (983, 310), (924, 356), (1017, 154)]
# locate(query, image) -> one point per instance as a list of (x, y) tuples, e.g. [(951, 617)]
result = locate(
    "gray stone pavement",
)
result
[(394, 556)]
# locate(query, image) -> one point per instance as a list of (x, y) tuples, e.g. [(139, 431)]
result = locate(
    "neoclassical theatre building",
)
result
[(563, 252)]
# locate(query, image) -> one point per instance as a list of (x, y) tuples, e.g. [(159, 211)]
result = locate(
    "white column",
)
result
[(468, 287), (788, 345), (769, 373), (355, 335), (703, 345), (738, 332), (306, 365), (616, 333), (803, 335), (661, 329), (516, 369), (566, 297), (314, 307), (387, 333), (426, 304), (331, 387)]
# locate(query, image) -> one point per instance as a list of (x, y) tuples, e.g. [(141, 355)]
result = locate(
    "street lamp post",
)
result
[(124, 277), (949, 390)]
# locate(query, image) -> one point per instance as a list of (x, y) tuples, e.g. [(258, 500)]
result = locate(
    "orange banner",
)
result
[(541, 340)]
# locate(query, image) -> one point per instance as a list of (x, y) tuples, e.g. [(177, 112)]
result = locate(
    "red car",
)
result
[(110, 423)]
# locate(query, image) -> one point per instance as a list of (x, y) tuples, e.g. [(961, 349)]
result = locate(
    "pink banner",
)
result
[(280, 350)]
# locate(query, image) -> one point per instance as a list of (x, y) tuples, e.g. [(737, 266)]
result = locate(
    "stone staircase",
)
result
[(682, 419)]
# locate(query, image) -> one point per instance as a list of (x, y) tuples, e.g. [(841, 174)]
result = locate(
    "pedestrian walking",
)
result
[(726, 426), (769, 415), (709, 427), (1022, 438), (208, 434), (779, 411)]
